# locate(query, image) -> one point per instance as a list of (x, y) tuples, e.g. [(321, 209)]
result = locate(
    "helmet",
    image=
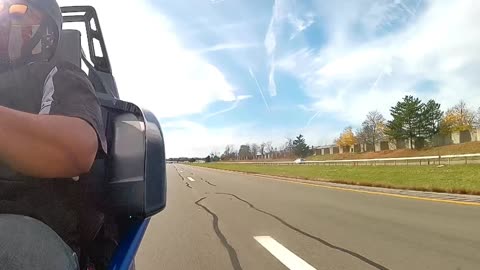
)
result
[(29, 31)]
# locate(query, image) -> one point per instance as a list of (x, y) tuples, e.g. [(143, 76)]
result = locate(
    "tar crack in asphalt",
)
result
[(208, 182), (183, 178), (231, 251), (324, 242)]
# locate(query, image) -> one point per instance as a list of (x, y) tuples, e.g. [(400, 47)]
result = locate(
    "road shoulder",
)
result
[(461, 199)]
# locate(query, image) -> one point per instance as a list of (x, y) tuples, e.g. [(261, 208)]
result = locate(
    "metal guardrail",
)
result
[(425, 160)]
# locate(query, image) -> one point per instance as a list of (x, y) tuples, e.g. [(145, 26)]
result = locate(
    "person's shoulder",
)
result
[(69, 68), (68, 76), (68, 71)]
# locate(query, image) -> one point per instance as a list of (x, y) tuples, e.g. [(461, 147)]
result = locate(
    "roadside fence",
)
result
[(426, 160)]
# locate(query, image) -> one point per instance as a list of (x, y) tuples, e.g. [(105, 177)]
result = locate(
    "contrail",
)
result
[(379, 77), (233, 107), (270, 43), (412, 13), (341, 92), (312, 118), (259, 88), (228, 46)]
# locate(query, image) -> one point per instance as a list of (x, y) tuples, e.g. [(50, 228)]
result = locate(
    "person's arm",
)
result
[(46, 146)]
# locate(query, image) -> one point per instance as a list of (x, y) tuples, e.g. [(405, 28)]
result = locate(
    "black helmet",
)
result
[(29, 31)]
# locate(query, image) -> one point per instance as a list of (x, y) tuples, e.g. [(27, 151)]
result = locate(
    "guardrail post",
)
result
[(466, 160)]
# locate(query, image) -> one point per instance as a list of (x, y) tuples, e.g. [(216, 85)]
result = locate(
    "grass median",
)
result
[(463, 179)]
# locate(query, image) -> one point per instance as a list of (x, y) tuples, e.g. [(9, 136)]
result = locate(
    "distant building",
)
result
[(323, 150), (457, 137)]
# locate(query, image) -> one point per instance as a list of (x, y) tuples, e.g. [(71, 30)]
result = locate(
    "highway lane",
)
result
[(222, 220)]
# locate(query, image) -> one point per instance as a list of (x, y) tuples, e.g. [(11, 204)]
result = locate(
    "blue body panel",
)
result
[(125, 254)]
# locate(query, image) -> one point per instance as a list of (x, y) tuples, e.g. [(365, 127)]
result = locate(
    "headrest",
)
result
[(70, 47)]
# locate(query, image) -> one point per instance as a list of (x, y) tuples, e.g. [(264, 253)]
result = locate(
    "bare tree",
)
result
[(269, 149), (229, 153), (262, 149), (361, 136), (280, 151), (288, 148), (254, 148), (476, 122), (373, 127)]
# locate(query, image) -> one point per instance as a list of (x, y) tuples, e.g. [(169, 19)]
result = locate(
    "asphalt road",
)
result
[(222, 220)]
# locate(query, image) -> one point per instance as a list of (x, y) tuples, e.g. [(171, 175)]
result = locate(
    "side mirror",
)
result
[(136, 170)]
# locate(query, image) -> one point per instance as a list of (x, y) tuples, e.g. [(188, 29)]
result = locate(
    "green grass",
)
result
[(464, 179)]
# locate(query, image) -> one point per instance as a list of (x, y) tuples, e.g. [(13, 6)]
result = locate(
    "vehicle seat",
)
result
[(30, 244), (70, 47)]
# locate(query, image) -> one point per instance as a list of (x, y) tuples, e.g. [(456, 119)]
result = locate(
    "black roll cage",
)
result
[(101, 63)]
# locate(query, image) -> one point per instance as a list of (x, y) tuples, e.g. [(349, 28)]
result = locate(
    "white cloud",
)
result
[(300, 24), (384, 68), (243, 97), (186, 138), (151, 66)]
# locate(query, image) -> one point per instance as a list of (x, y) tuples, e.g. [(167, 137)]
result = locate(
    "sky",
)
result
[(218, 72)]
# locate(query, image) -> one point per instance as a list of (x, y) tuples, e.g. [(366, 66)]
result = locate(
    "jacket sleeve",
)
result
[(68, 92)]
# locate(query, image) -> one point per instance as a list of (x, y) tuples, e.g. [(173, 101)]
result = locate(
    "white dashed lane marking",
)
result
[(191, 179), (285, 256)]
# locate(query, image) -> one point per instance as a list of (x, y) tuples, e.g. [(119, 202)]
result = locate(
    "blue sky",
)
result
[(220, 72)]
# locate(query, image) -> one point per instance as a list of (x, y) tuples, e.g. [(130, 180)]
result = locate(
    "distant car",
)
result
[(299, 161)]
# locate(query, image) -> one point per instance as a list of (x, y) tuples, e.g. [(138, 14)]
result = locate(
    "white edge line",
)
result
[(191, 179), (285, 256)]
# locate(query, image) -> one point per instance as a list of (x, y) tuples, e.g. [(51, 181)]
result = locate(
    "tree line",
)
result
[(412, 120), (291, 148)]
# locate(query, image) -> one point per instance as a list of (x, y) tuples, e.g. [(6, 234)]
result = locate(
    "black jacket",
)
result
[(55, 89)]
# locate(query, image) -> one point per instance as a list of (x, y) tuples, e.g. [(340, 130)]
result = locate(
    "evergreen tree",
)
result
[(431, 118), (407, 119), (300, 148)]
